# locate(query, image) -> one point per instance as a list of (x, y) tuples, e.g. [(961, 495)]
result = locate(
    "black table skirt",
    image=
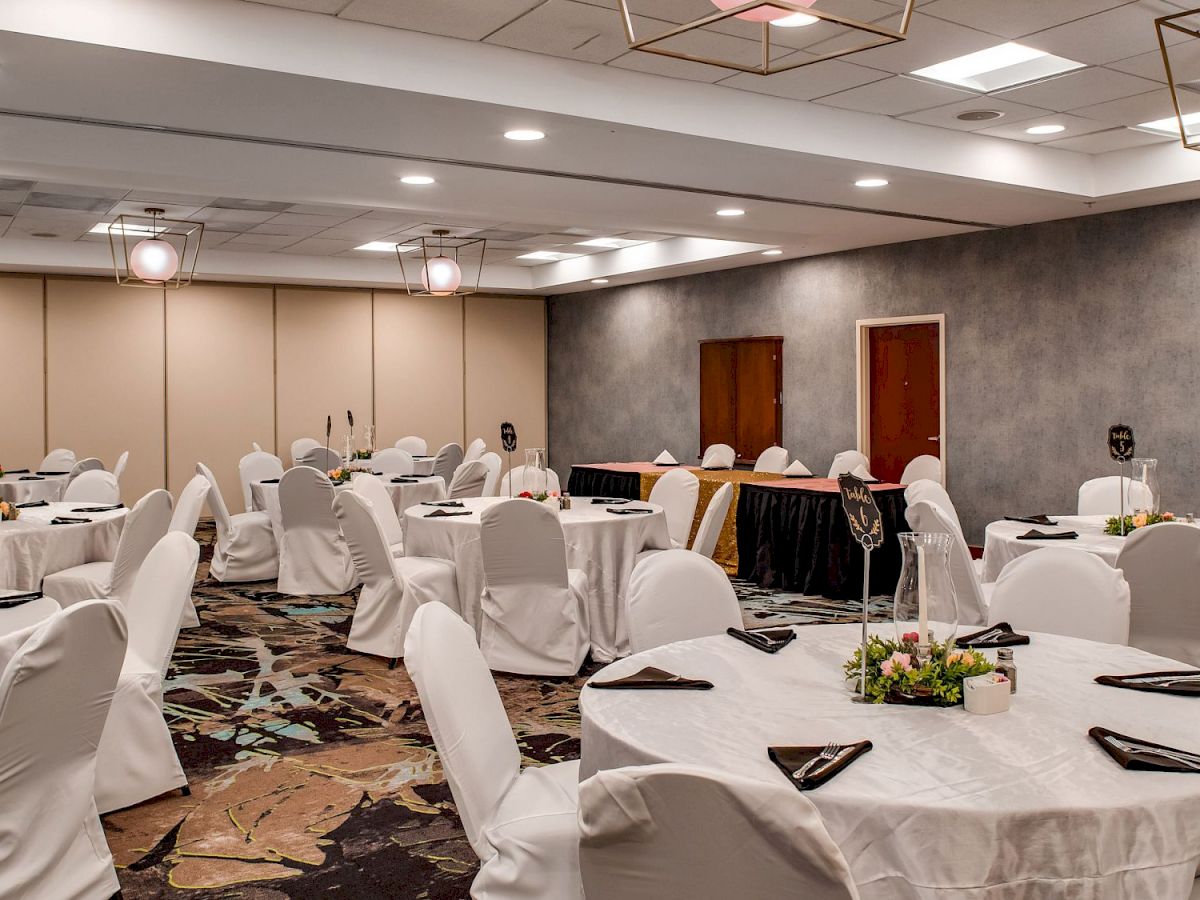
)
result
[(588, 482), (796, 540)]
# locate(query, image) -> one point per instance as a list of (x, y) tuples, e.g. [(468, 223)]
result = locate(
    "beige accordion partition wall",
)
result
[(23, 388)]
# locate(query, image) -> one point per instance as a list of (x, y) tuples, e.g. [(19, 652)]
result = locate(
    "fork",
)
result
[(829, 753), (1186, 760)]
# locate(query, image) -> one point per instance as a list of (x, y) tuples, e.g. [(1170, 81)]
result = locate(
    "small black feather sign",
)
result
[(865, 522), (1120, 443), (350, 418), (328, 429), (508, 437)]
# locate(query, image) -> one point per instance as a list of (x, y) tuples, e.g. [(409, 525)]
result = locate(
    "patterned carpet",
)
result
[(311, 768)]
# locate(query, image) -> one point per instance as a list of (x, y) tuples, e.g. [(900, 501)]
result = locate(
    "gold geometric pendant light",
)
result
[(1183, 88), (152, 251)]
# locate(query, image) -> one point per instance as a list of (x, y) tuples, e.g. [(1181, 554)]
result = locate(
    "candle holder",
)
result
[(926, 606)]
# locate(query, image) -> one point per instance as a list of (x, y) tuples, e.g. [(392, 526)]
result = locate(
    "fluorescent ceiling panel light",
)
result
[(1170, 125), (548, 256), (1002, 66), (610, 243), (386, 247)]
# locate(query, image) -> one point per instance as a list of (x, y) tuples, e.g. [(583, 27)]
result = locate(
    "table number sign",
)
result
[(328, 432), (508, 440), (866, 526), (1121, 448)]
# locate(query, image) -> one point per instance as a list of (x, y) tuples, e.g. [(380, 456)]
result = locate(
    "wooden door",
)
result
[(741, 383), (718, 393), (905, 396)]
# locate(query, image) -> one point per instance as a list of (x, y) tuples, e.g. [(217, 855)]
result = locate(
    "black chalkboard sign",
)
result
[(1120, 443), (866, 524), (508, 437)]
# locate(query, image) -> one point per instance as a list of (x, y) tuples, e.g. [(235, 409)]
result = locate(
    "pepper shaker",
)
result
[(1006, 667)]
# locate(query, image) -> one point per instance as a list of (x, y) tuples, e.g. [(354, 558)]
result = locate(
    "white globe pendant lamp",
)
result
[(160, 253), (450, 266), (441, 276)]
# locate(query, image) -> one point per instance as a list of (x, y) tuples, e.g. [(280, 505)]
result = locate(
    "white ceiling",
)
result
[(286, 131)]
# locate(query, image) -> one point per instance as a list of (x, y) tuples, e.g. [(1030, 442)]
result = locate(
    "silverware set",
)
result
[(1184, 759), (826, 758), (1166, 680)]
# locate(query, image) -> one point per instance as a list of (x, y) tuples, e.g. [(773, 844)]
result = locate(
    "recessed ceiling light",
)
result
[(998, 67), (417, 179), (1170, 126), (524, 134), (731, 212), (1045, 129), (549, 255), (772, 253), (608, 243), (599, 281), (386, 247), (871, 182), (797, 20)]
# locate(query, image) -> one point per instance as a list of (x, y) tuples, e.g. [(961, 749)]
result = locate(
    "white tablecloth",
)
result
[(1001, 546), (1014, 806), (422, 465), (601, 544), (31, 548), (266, 496), (14, 490)]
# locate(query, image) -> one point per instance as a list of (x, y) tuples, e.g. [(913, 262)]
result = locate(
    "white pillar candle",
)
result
[(922, 597)]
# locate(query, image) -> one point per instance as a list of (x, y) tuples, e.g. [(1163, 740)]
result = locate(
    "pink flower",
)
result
[(897, 661), (1168, 517), (911, 636), (1139, 521)]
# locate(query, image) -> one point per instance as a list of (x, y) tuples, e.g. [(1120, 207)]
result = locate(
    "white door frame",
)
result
[(863, 382)]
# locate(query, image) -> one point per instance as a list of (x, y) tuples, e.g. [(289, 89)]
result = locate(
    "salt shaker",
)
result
[(564, 501), (1006, 667)]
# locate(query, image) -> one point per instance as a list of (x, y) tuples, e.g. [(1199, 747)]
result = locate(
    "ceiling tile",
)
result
[(466, 19), (1015, 18), (252, 205), (212, 238), (15, 184), (82, 190), (566, 28), (929, 41), (1084, 87), (809, 82), (9, 208), (151, 197), (944, 116), (320, 247), (315, 209), (1185, 63), (55, 214), (896, 96), (1131, 110), (66, 228), (313, 221), (13, 196), (1114, 139), (361, 230), (1015, 128), (69, 201), (246, 216), (259, 241), (328, 7), (699, 43), (1111, 35), (138, 208), (296, 231)]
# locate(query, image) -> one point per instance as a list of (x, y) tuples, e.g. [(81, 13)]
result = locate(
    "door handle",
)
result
[(938, 438)]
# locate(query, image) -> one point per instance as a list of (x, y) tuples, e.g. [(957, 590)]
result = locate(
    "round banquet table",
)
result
[(422, 465), (31, 548), (47, 487), (1001, 546), (1011, 806), (601, 544), (265, 496)]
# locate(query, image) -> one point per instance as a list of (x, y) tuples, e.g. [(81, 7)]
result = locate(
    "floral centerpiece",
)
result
[(540, 496), (894, 674), (8, 511), (1141, 520), (342, 474), (363, 454)]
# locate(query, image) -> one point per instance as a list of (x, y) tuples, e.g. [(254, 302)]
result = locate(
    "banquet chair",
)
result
[(678, 832), (393, 588), (1061, 590), (136, 759), (56, 682), (184, 519), (256, 447), (245, 547), (468, 481), (474, 450), (973, 595), (447, 461), (713, 521), (144, 527), (1102, 496), (301, 447), (491, 482), (846, 462), (1162, 565), (320, 458), (677, 595), (718, 456), (91, 464), (93, 486), (524, 478), (677, 493), (522, 824), (60, 460), (533, 609), (922, 467), (413, 445), (773, 459), (369, 487), (392, 462), (122, 462), (257, 466), (313, 556), (928, 489)]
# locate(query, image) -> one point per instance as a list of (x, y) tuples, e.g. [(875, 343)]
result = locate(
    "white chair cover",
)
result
[(186, 516), (369, 487), (846, 462), (60, 460), (414, 445), (718, 456), (18, 618), (520, 481), (93, 486), (144, 527), (522, 824), (1102, 496), (677, 493), (475, 450), (773, 459), (468, 481), (257, 466), (136, 758), (122, 462), (923, 467), (245, 548), (1162, 565), (256, 446), (713, 521), (393, 589), (1063, 591), (392, 461), (320, 458), (673, 832), (972, 595), (533, 609), (56, 683), (447, 461), (677, 595), (301, 447), (91, 464), (313, 556), (927, 489), (491, 483)]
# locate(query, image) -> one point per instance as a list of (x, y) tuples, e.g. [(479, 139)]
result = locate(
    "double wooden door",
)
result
[(741, 394)]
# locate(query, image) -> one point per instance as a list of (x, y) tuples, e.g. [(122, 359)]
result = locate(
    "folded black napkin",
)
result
[(108, 508), (667, 464), (871, 481), (16, 471), (632, 511), (421, 456), (1039, 519), (31, 478), (18, 599), (440, 513), (651, 677), (799, 476), (68, 520), (404, 480), (30, 504), (714, 468), (1185, 682), (454, 503), (53, 473), (999, 635), (610, 501), (1134, 753), (1034, 535), (768, 641), (269, 481), (792, 760)]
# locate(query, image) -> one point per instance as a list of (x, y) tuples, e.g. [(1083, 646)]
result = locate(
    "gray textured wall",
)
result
[(1053, 332)]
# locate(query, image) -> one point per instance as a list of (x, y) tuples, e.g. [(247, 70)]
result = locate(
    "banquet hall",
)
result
[(607, 449)]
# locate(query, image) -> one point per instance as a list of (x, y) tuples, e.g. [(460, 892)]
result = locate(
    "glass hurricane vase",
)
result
[(925, 602), (1146, 471), (535, 470)]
